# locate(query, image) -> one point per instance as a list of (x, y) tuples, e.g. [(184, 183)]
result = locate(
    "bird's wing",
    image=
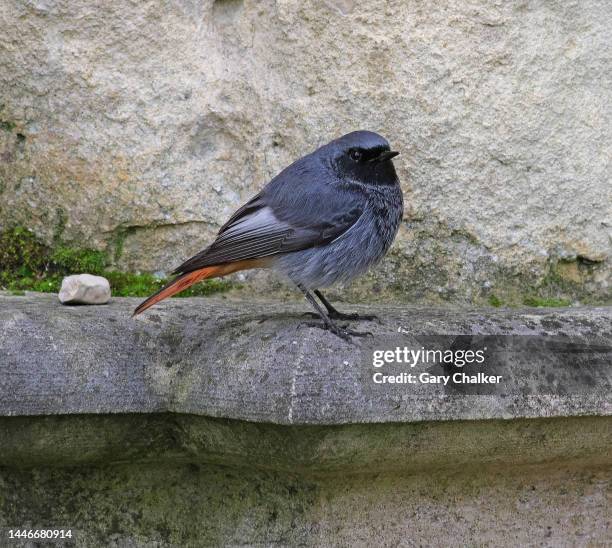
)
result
[(292, 213)]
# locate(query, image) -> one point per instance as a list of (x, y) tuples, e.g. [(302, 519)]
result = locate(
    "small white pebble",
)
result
[(84, 289)]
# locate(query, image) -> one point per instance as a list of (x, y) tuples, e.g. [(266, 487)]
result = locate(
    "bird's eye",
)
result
[(355, 155)]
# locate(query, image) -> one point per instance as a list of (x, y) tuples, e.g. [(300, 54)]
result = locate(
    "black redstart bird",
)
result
[(326, 218)]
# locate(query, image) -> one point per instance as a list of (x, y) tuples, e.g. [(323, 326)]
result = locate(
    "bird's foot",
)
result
[(335, 315), (340, 331)]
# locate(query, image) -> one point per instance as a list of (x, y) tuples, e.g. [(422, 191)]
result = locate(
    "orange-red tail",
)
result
[(186, 280)]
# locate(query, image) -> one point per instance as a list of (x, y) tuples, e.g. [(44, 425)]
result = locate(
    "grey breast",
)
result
[(354, 251)]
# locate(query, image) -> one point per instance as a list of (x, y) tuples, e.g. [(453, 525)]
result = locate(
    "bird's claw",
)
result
[(335, 315), (352, 333), (352, 317)]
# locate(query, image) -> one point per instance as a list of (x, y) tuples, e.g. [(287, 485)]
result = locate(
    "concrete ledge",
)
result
[(212, 381), (258, 362)]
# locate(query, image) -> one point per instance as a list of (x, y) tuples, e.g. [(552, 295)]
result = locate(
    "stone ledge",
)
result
[(253, 362)]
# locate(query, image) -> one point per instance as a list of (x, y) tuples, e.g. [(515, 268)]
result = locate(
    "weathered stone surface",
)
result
[(152, 504), (84, 289), (140, 128), (258, 362)]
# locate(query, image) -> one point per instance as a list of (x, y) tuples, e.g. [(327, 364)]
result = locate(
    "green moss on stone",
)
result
[(545, 302), (127, 284), (21, 252), (26, 264), (118, 243), (7, 125), (60, 226), (79, 260), (495, 301)]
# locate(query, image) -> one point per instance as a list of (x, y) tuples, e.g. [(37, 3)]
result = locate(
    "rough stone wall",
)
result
[(193, 504), (139, 127)]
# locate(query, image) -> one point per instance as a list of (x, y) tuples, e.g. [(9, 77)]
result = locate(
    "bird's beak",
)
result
[(386, 155)]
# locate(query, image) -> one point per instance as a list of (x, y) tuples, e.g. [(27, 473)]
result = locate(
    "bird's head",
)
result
[(364, 157)]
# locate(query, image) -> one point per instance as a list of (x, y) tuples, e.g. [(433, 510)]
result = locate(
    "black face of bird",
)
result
[(368, 165)]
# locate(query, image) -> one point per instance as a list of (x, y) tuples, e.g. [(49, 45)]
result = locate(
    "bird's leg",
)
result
[(336, 315), (328, 323)]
